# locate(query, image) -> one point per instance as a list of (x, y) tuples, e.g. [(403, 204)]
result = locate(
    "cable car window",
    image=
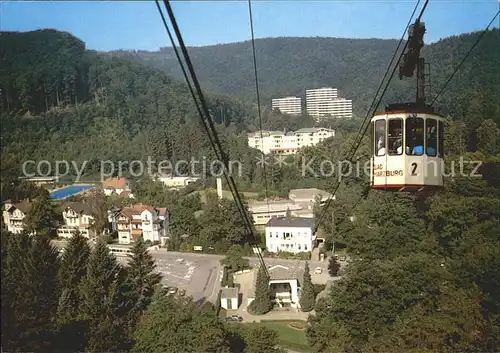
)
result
[(395, 137), (415, 136), (380, 137), (431, 137), (441, 139)]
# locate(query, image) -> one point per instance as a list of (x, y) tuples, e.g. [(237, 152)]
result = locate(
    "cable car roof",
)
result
[(406, 108)]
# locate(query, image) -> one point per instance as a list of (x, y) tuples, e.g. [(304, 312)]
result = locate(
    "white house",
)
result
[(176, 182), (142, 220), (284, 284), (117, 186), (76, 216), (308, 196), (14, 214), (290, 234), (229, 298)]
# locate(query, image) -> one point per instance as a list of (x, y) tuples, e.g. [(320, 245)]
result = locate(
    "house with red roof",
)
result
[(117, 186), (141, 220)]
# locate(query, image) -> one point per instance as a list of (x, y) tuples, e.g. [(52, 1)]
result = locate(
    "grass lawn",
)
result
[(288, 337)]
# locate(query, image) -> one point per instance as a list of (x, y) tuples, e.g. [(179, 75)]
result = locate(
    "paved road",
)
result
[(200, 274), (271, 261)]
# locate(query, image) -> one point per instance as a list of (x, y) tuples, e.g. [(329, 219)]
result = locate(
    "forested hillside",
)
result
[(60, 101), (288, 66)]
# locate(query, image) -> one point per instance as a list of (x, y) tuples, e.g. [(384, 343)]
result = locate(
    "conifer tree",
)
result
[(102, 301), (262, 302), (307, 291), (333, 266), (29, 296), (42, 216), (72, 269), (142, 280)]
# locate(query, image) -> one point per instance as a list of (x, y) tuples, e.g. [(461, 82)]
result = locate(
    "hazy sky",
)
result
[(137, 25)]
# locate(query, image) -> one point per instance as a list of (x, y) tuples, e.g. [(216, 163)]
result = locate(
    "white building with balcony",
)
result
[(14, 214), (288, 105), (284, 285), (319, 101), (324, 102), (290, 234), (77, 216), (279, 142), (141, 220), (342, 108)]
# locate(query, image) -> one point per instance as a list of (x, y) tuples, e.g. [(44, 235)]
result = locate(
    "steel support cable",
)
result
[(465, 58), (223, 156), (355, 148), (217, 144), (389, 66), (258, 102), (184, 73), (368, 114)]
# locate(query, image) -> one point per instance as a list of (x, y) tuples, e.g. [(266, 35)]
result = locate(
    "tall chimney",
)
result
[(219, 188)]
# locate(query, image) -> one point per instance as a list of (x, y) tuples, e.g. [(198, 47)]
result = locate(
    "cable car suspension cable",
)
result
[(356, 147), (465, 58), (258, 102), (210, 128)]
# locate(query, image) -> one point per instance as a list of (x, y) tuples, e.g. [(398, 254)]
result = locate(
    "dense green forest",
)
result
[(289, 66), (425, 271)]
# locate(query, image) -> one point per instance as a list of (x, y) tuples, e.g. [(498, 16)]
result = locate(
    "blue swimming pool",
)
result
[(69, 191)]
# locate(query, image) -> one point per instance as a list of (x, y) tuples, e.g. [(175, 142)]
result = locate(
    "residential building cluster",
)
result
[(320, 103), (129, 222), (281, 142)]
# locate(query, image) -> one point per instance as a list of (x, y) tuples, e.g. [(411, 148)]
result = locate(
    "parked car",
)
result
[(234, 318), (182, 292), (318, 270), (172, 290)]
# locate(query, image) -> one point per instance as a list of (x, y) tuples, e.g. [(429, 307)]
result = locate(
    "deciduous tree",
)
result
[(175, 325)]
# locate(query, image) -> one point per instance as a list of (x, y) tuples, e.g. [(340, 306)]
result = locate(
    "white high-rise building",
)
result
[(288, 105), (319, 102), (342, 108)]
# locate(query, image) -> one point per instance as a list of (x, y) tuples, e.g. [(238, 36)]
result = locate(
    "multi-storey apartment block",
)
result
[(288, 105), (324, 102)]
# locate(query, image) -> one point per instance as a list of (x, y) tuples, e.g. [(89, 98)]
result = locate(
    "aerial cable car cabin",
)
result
[(408, 138)]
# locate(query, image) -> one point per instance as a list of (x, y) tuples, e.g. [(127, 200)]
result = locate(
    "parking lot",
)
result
[(176, 273)]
